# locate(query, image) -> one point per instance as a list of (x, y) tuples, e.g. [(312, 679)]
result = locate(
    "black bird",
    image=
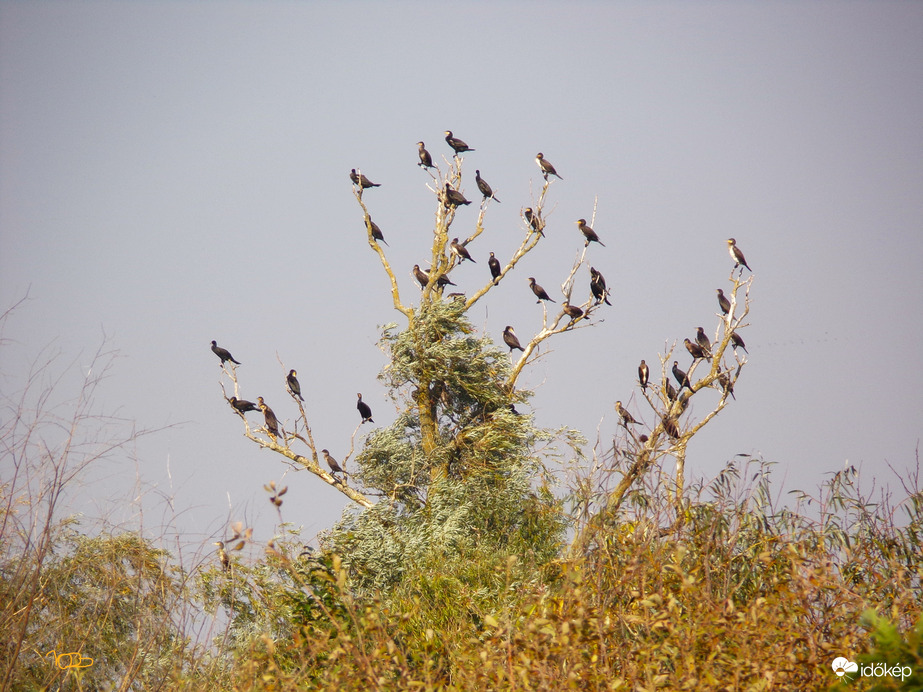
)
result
[(644, 374), (669, 426), (272, 423), (420, 275), (726, 385), (494, 264), (723, 302), (223, 354), (426, 161), (547, 168), (737, 341), (454, 142), (375, 230), (703, 340), (460, 251), (364, 410), (588, 233), (534, 220), (484, 187), (332, 463), (598, 287), (293, 385), (360, 180), (572, 311), (223, 557), (694, 349), (736, 254), (624, 414), (538, 291), (681, 377), (669, 390), (454, 197), (242, 405), (510, 339)]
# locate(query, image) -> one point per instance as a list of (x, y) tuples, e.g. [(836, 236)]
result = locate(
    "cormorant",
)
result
[(726, 384), (454, 197), (598, 287), (223, 354), (535, 220), (547, 168), (364, 410), (723, 302), (376, 231), (624, 414), (494, 265), (702, 340), (681, 377), (484, 187), (694, 349), (360, 180), (272, 423), (669, 390), (458, 145), (510, 339), (737, 341), (644, 374), (736, 254), (460, 251), (588, 233), (223, 557), (669, 426), (426, 161), (423, 277), (572, 311), (242, 405), (332, 463), (293, 384), (538, 291)]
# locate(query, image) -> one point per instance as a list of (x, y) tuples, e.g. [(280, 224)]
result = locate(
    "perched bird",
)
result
[(375, 230), (510, 339), (644, 374), (624, 414), (736, 254), (669, 426), (513, 410), (702, 340), (420, 275), (723, 302), (598, 287), (694, 349), (223, 354), (681, 377), (460, 251), (494, 265), (360, 180), (588, 233), (242, 405), (293, 384), (484, 187), (668, 390), (223, 557), (426, 161), (454, 197), (726, 385), (534, 219), (572, 311), (364, 410), (737, 341), (454, 142), (538, 291), (547, 168), (272, 423), (332, 463)]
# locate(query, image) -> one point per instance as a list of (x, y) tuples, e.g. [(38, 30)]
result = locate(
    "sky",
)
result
[(176, 172)]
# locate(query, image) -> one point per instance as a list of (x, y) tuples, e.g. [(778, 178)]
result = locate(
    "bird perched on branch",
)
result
[(460, 251), (426, 161), (572, 311), (360, 180), (454, 142), (624, 414), (669, 390), (681, 377), (364, 410), (223, 354), (703, 340), (737, 255), (547, 168), (375, 230), (494, 265), (535, 221), (423, 277), (454, 197), (644, 374), (293, 384), (738, 342), (242, 405), (272, 423), (485, 189), (598, 287), (223, 557), (538, 291), (332, 463), (694, 349), (588, 233), (723, 302), (511, 340)]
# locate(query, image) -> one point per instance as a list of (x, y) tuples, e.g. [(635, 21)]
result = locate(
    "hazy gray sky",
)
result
[(173, 173)]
